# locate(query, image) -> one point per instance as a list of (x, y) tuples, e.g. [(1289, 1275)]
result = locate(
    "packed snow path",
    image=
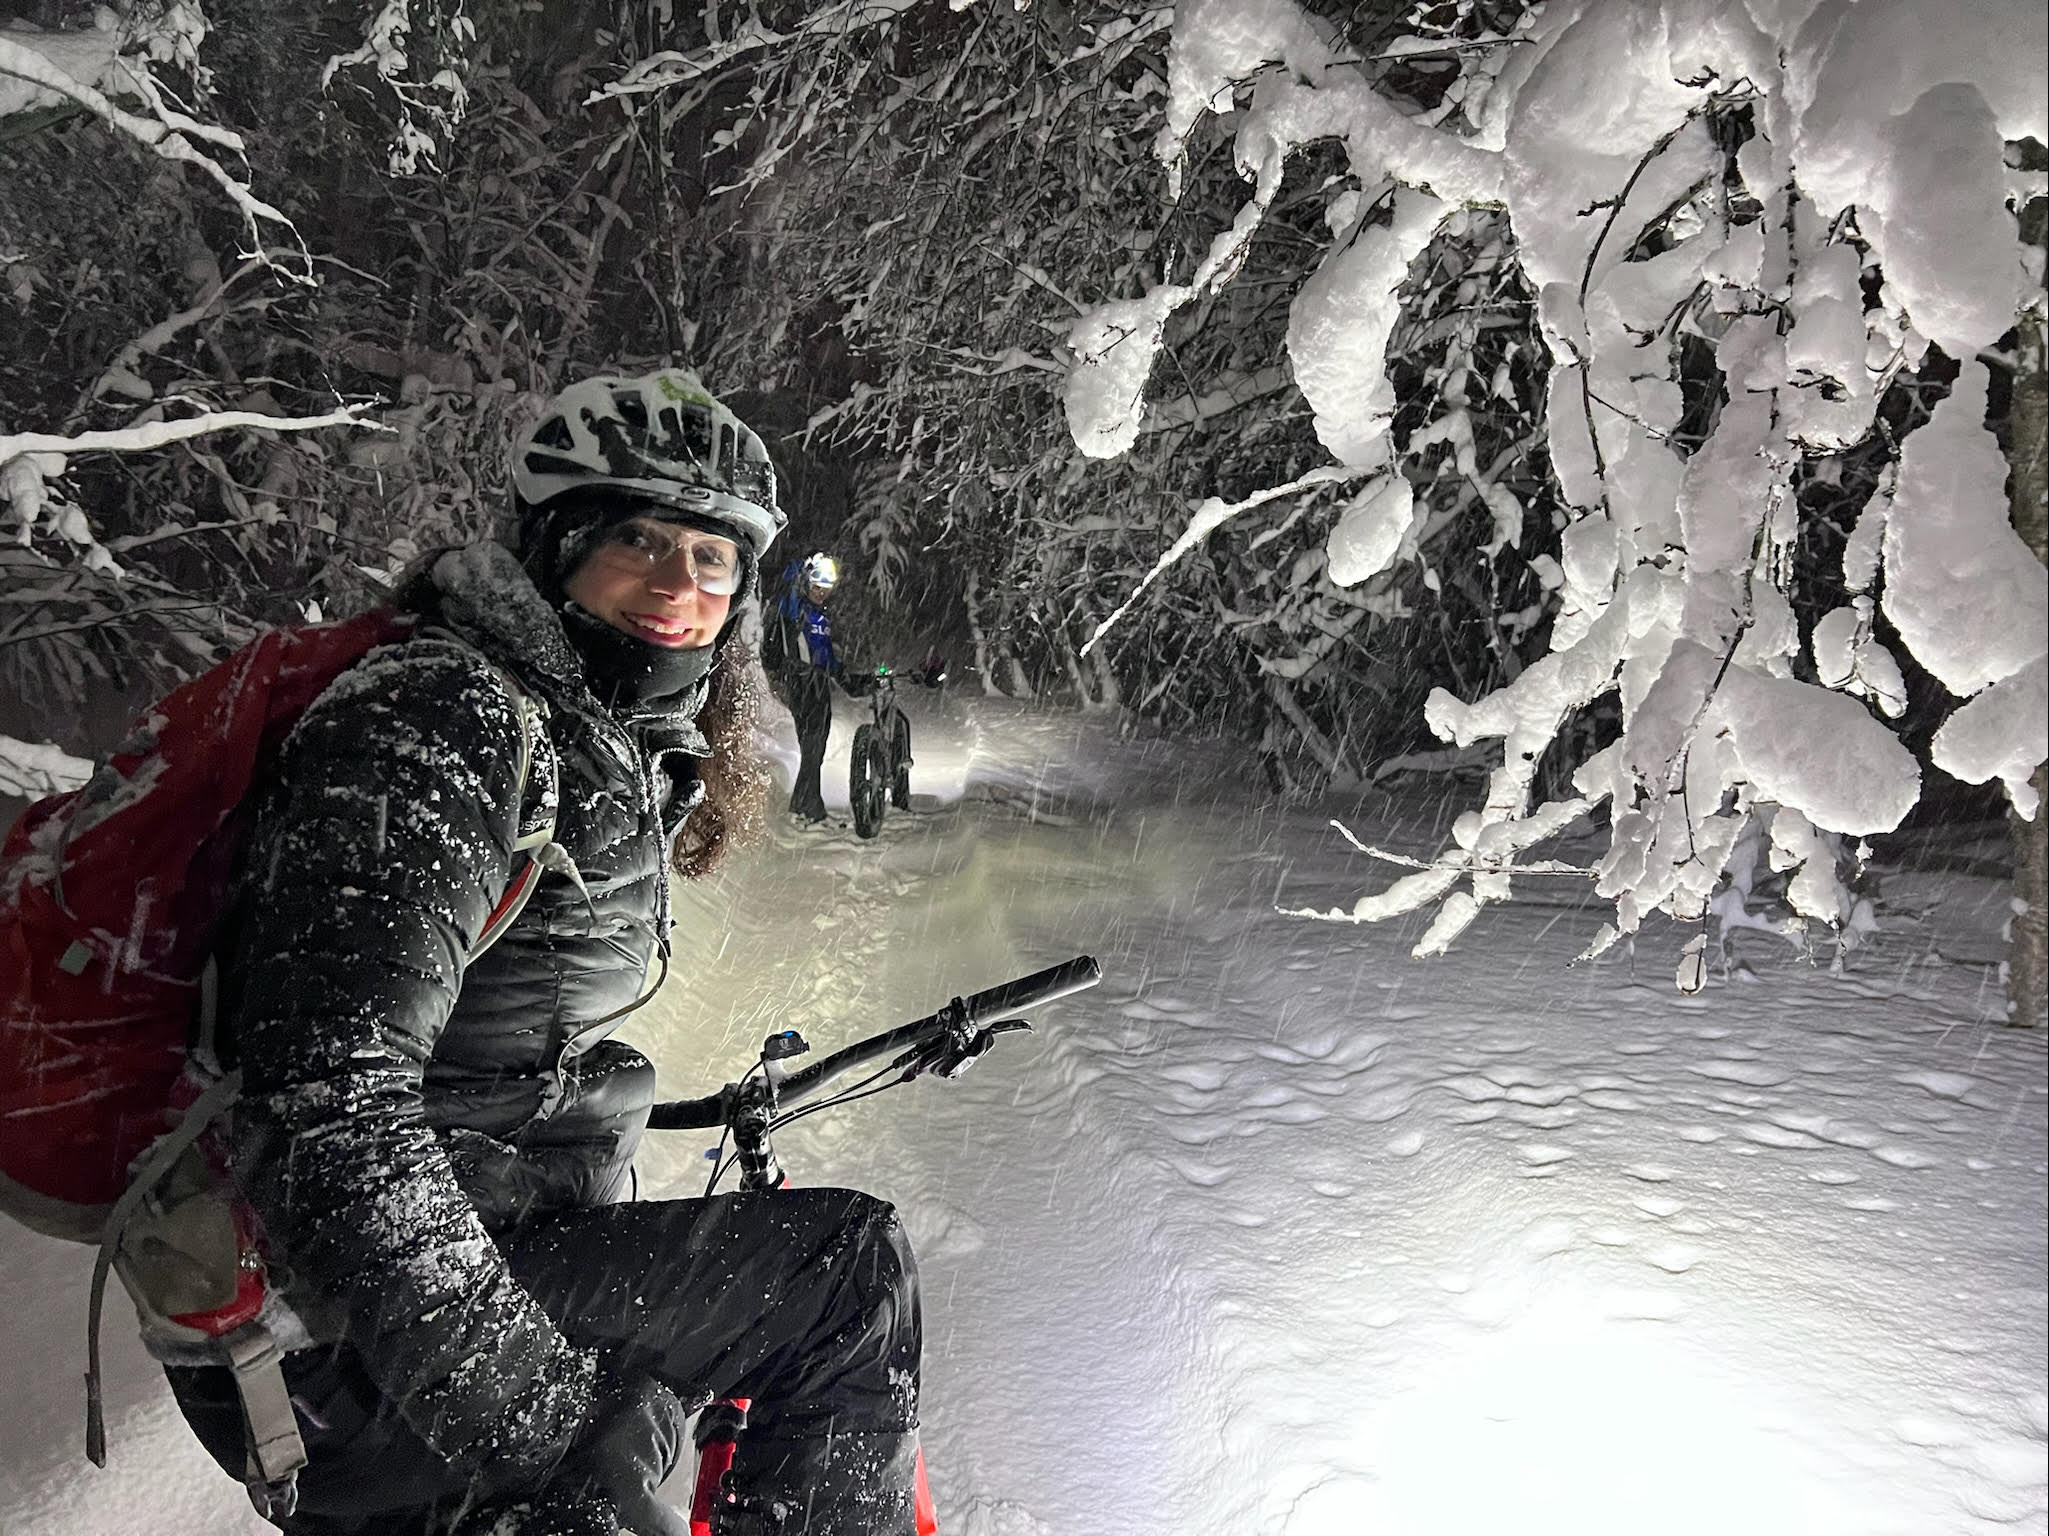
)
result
[(1281, 1231)]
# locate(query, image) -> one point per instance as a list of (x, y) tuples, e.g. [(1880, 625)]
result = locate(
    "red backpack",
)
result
[(111, 898)]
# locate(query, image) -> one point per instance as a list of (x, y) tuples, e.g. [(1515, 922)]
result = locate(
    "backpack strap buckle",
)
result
[(276, 1450)]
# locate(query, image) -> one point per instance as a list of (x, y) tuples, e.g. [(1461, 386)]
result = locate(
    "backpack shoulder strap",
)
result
[(532, 842), (532, 711), (533, 738)]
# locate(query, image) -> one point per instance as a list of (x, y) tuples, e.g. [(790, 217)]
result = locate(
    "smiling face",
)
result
[(648, 579)]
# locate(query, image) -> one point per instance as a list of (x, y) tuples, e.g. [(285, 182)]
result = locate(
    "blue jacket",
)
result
[(808, 627)]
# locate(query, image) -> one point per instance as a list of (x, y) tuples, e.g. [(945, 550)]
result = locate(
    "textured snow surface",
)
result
[(1280, 1231)]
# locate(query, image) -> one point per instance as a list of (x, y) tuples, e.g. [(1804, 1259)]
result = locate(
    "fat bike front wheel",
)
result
[(867, 780), (900, 756)]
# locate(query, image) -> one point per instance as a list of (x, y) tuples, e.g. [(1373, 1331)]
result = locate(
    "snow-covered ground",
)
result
[(1281, 1231)]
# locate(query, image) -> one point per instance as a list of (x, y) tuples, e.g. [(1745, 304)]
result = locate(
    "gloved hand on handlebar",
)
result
[(607, 1482), (627, 1450)]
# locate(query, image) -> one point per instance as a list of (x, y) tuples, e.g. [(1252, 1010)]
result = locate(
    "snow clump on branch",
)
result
[(1813, 193)]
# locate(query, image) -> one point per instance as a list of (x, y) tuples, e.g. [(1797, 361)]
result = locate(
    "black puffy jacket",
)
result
[(398, 1107)]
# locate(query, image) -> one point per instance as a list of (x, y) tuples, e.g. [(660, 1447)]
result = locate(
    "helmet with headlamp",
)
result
[(822, 571)]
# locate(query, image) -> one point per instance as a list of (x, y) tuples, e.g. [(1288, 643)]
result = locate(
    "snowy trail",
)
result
[(1425, 1248), (1019, 1181), (1278, 1230)]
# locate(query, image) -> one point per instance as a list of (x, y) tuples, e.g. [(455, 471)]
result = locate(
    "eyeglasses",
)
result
[(642, 546)]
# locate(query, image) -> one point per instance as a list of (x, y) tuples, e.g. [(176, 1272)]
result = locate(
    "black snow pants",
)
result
[(807, 691), (804, 1300)]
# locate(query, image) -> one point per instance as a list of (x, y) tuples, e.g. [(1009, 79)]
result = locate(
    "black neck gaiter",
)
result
[(630, 675)]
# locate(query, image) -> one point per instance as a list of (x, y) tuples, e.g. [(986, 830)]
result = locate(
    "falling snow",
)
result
[(1281, 1230)]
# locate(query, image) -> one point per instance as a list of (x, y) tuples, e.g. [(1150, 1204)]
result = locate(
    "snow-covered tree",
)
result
[(1556, 387), (1801, 202), (160, 162)]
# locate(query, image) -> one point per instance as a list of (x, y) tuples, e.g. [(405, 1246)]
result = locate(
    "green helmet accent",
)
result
[(663, 437)]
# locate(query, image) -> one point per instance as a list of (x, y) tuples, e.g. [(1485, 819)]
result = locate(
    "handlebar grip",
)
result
[(1014, 997), (707, 1113)]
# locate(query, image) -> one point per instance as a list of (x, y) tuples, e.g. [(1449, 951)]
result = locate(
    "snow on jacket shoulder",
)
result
[(396, 1108)]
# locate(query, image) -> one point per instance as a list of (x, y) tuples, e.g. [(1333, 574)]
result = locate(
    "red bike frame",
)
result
[(715, 1456)]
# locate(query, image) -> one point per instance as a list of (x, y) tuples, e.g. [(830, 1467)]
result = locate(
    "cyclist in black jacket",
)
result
[(483, 1339)]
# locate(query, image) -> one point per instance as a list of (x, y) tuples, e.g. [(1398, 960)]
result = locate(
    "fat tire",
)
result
[(900, 755), (865, 787)]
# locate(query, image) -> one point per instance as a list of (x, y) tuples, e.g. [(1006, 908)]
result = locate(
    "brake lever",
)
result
[(952, 1058)]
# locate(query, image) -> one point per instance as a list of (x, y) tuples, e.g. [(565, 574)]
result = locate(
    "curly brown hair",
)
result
[(735, 807)]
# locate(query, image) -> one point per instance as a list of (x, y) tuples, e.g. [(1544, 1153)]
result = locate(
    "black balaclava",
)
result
[(627, 674)]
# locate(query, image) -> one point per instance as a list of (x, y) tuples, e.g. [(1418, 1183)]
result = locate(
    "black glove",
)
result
[(626, 1449)]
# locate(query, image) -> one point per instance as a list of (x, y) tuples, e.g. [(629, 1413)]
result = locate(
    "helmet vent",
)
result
[(610, 432), (551, 464), (696, 442)]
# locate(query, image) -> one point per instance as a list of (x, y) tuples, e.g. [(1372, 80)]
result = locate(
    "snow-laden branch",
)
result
[(119, 376), (1486, 858), (659, 71), (1221, 399), (1670, 168), (30, 770), (170, 134), (441, 99), (155, 434), (30, 460), (1211, 515), (1536, 867)]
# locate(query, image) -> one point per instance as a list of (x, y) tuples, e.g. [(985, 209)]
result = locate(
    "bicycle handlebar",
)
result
[(707, 1113), (1008, 999), (997, 1003)]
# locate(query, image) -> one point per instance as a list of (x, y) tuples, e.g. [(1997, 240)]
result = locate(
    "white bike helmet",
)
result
[(663, 437), (822, 572)]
